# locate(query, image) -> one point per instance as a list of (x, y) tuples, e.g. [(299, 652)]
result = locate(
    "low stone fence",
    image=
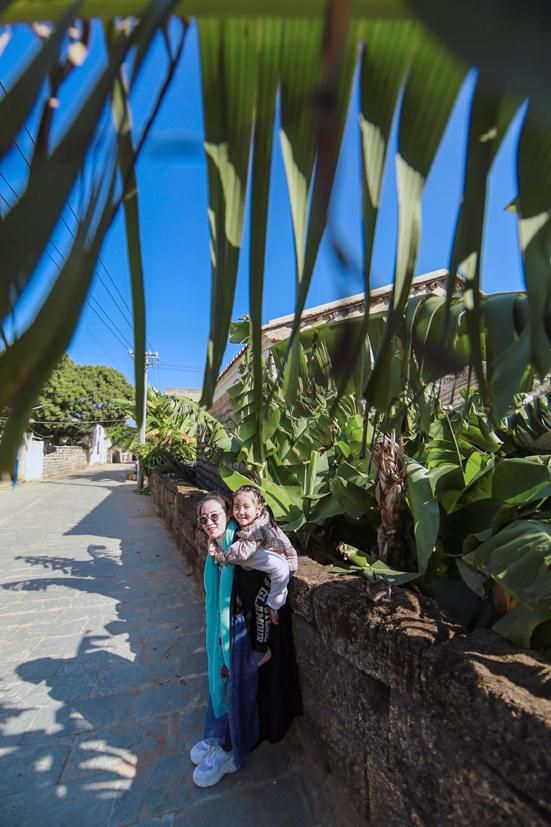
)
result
[(64, 459), (417, 721)]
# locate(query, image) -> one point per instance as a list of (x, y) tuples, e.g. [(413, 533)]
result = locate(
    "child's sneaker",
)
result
[(216, 764), (199, 751)]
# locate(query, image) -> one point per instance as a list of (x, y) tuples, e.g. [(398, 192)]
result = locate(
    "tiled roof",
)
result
[(342, 308)]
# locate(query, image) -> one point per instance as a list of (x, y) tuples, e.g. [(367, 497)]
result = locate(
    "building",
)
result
[(279, 329), (191, 393)]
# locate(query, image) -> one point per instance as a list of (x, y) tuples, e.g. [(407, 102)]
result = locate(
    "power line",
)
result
[(128, 320), (109, 355), (183, 368), (113, 328)]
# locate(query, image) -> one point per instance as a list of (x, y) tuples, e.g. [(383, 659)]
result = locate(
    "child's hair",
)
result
[(219, 498), (259, 499)]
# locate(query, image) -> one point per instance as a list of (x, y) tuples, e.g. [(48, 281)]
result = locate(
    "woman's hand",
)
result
[(216, 553)]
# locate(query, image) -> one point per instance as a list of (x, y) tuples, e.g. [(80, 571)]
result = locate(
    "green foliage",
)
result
[(75, 397), (471, 482), (411, 59), (518, 558), (174, 425)]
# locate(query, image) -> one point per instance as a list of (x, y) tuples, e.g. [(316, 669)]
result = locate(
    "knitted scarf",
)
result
[(218, 589)]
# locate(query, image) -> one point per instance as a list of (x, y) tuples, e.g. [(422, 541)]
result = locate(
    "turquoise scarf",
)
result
[(218, 589)]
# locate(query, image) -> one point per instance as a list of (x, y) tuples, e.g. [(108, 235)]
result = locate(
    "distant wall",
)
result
[(64, 459), (36, 462), (417, 722)]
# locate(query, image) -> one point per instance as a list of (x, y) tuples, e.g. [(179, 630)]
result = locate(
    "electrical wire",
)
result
[(109, 355), (113, 328), (183, 368), (128, 319)]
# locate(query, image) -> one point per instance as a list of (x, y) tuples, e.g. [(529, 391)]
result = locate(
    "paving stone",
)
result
[(16, 722), (182, 615), (58, 806), (281, 803), (119, 752), (29, 768), (191, 727), (102, 669), (154, 794), (161, 700), (131, 677)]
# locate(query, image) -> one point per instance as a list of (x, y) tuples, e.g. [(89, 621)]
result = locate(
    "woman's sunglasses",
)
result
[(214, 517)]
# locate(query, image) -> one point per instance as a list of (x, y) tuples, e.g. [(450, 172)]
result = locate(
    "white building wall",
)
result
[(99, 447), (31, 459)]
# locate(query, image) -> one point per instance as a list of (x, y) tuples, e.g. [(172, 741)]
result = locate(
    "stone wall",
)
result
[(207, 477), (417, 722), (64, 459)]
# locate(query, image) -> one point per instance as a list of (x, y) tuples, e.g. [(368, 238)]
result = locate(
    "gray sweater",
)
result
[(261, 534)]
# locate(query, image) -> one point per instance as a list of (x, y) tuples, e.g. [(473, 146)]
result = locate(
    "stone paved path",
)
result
[(102, 671)]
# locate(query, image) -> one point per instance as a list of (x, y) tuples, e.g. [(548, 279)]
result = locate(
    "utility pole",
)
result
[(151, 356)]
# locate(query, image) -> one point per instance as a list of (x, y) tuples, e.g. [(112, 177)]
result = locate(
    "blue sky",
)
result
[(173, 203)]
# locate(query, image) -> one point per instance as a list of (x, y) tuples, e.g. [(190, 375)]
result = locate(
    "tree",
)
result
[(77, 396)]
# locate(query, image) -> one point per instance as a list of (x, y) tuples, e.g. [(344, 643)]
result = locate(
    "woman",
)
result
[(246, 704)]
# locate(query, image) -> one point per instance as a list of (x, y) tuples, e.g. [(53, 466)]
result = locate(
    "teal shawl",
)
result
[(218, 589)]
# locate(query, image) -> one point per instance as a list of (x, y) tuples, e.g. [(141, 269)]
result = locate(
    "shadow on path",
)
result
[(106, 689)]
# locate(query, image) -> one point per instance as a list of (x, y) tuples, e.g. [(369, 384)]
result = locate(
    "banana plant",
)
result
[(411, 59)]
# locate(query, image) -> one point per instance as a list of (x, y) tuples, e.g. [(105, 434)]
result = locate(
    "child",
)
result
[(262, 545)]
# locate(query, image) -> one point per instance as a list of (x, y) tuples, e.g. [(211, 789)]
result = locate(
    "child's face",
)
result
[(246, 508)]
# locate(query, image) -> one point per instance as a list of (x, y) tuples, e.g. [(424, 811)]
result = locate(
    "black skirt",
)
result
[(279, 700)]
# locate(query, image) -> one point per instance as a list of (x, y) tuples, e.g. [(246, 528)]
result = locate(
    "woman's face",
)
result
[(213, 519)]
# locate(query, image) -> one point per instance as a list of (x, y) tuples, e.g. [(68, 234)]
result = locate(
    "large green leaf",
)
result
[(126, 160), (517, 481), (269, 49), (489, 120), (534, 207), (309, 136), (469, 28), (21, 97), (353, 499), (26, 229), (386, 55), (373, 569), (520, 623), (430, 91), (445, 462), (25, 366), (123, 122), (518, 558), (424, 510), (228, 66)]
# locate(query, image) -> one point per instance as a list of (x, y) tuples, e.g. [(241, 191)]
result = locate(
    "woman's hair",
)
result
[(219, 498), (258, 497)]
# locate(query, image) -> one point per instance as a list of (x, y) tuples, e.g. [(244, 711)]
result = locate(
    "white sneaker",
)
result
[(199, 751), (215, 765)]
